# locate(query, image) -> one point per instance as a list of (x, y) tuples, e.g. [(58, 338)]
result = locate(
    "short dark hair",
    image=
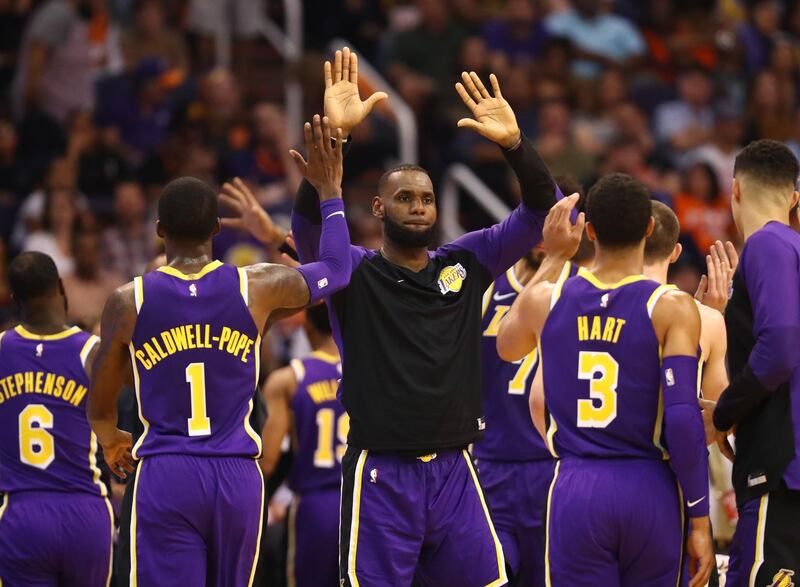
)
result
[(619, 208), (187, 209), (317, 316), (666, 231), (32, 275), (569, 185), (397, 168), (768, 162)]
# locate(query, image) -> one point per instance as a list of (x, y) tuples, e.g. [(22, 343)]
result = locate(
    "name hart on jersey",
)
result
[(193, 336), (605, 328), (42, 383)]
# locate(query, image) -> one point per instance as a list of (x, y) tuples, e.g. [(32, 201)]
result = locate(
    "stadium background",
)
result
[(104, 101)]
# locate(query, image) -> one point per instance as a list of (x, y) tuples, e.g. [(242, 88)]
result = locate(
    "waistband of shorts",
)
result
[(50, 495), (417, 455)]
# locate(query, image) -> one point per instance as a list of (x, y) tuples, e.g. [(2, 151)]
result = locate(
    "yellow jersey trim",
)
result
[(512, 279), (87, 348), (243, 285), (260, 525), (2, 334), (4, 506), (501, 563), (138, 292), (291, 550), (683, 532), (327, 357), (247, 428), (25, 333), (190, 276), (299, 371), (487, 298), (559, 285), (547, 527), (142, 419), (111, 542), (758, 559), (656, 295), (351, 555), (133, 578), (93, 465), (553, 426), (589, 276)]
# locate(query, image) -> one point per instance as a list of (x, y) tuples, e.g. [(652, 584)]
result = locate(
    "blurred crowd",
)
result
[(103, 101)]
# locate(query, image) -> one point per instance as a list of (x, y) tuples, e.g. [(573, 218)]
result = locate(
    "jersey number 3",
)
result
[(601, 409)]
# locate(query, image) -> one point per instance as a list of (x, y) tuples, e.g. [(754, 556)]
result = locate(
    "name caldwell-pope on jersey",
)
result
[(193, 336)]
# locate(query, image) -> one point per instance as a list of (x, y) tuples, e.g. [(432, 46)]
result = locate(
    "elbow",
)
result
[(508, 348)]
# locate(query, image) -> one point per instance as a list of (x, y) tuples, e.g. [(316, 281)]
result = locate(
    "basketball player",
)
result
[(408, 327), (615, 513), (192, 330), (515, 466), (56, 523), (763, 398), (660, 251), (301, 401)]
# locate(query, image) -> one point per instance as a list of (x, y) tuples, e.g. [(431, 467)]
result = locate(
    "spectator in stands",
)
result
[(595, 127), (423, 60), (12, 23), (625, 155), (771, 108), (236, 20), (758, 35), (703, 211), (686, 123), (54, 238), (516, 38), (794, 142), (219, 104), (556, 144), (129, 244), (599, 39), (150, 38), (89, 286), (630, 122), (55, 73), (15, 178), (725, 142)]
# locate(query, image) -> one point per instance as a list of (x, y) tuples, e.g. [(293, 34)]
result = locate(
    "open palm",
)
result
[(493, 117), (343, 105)]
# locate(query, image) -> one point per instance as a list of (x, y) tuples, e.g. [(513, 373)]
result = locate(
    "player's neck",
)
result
[(523, 271), (613, 265), (412, 258), (328, 346), (754, 218), (188, 257), (46, 317), (657, 271)]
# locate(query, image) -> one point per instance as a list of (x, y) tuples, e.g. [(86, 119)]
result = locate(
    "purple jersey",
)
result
[(320, 424), (509, 434), (195, 352), (601, 364), (46, 443)]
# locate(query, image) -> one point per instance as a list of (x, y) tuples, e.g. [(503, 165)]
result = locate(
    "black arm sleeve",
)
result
[(306, 204), (538, 188), (744, 393)]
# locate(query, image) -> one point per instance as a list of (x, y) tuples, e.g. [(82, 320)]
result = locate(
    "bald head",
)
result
[(660, 245)]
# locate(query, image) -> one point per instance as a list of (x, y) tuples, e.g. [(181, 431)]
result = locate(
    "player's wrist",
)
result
[(513, 141), (700, 522)]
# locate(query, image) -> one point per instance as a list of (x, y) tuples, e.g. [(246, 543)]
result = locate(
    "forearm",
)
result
[(101, 411), (549, 270), (539, 190), (332, 272), (684, 433), (744, 394)]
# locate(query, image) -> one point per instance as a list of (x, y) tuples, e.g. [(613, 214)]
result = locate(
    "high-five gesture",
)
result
[(251, 217), (343, 105), (324, 168), (493, 116)]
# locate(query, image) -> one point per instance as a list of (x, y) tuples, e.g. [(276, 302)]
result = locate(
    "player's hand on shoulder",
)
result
[(560, 237), (493, 117), (324, 168), (701, 551), (117, 452), (342, 102), (250, 215)]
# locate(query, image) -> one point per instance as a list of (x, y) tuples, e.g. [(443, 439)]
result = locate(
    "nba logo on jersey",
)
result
[(193, 290), (670, 377), (604, 301), (373, 476), (39, 349)]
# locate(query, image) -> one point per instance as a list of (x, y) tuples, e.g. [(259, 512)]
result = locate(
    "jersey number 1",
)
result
[(199, 423), (323, 456)]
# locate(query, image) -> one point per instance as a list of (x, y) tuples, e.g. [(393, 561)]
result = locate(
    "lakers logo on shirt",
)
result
[(783, 578), (452, 278)]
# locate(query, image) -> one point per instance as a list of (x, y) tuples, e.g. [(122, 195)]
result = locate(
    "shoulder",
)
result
[(712, 324), (676, 306), (281, 383)]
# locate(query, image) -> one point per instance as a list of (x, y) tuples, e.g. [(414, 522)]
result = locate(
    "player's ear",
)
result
[(590, 232), (736, 192), (676, 252), (651, 224), (795, 198), (377, 207), (159, 230), (217, 228)]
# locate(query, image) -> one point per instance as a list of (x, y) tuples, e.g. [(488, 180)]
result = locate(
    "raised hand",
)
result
[(251, 216), (560, 237), (714, 288), (324, 168), (493, 116), (343, 105)]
